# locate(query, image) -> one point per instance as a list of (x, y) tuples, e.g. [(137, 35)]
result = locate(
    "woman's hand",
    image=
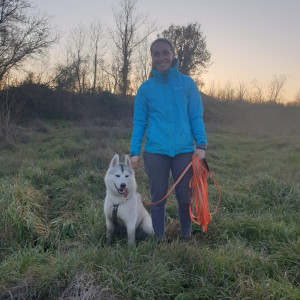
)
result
[(134, 161), (200, 153)]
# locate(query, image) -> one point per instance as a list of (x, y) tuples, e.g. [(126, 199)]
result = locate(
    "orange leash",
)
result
[(172, 188), (200, 193)]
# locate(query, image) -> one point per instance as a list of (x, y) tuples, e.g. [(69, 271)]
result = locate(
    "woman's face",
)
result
[(162, 57)]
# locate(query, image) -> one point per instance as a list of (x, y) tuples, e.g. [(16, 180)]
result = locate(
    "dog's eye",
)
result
[(117, 175), (127, 176)]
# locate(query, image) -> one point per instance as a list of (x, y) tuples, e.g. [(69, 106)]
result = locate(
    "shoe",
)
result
[(186, 238)]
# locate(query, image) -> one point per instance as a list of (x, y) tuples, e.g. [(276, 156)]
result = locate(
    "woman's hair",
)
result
[(162, 40)]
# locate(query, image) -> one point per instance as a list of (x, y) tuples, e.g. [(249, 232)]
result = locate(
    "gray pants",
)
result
[(157, 167)]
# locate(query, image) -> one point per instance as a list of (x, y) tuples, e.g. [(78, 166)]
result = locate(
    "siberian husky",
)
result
[(123, 205)]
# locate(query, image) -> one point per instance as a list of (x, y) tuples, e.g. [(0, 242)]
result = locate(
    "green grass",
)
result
[(52, 226)]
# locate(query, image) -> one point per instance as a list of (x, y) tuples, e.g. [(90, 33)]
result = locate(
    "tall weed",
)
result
[(22, 219)]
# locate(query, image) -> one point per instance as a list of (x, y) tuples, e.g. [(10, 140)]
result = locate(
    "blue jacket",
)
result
[(170, 110)]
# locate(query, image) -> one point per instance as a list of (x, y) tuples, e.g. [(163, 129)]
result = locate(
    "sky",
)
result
[(248, 40)]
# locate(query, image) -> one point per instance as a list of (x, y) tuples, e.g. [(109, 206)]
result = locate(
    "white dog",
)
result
[(123, 205)]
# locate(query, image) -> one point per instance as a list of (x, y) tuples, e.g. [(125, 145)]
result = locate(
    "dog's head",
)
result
[(119, 178)]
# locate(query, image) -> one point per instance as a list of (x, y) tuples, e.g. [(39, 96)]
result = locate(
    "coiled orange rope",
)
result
[(199, 201)]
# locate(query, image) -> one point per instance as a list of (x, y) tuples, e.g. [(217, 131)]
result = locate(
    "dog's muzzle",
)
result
[(122, 190)]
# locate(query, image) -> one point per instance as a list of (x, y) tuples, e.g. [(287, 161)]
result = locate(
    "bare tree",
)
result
[(276, 86), (241, 91), (143, 63), (78, 55), (97, 50), (190, 46), (107, 81), (229, 91), (81, 70), (221, 93), (112, 72), (21, 35), (126, 39), (258, 95), (211, 89)]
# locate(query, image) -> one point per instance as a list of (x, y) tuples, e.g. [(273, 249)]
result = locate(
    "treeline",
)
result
[(31, 101), (254, 91), (20, 105), (27, 102)]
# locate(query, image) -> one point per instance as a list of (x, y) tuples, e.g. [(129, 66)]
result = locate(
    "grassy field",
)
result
[(52, 227)]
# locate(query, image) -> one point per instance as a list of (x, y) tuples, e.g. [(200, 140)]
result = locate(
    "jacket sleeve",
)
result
[(140, 119), (196, 115)]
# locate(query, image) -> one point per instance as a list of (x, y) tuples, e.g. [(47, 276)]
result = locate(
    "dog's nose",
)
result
[(122, 185)]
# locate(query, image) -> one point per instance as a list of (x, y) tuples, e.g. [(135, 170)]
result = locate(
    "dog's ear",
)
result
[(128, 161), (115, 160)]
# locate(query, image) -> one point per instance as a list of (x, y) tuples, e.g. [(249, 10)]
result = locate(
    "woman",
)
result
[(168, 107)]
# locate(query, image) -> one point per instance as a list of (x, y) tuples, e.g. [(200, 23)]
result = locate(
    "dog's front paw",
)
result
[(131, 237), (131, 244)]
